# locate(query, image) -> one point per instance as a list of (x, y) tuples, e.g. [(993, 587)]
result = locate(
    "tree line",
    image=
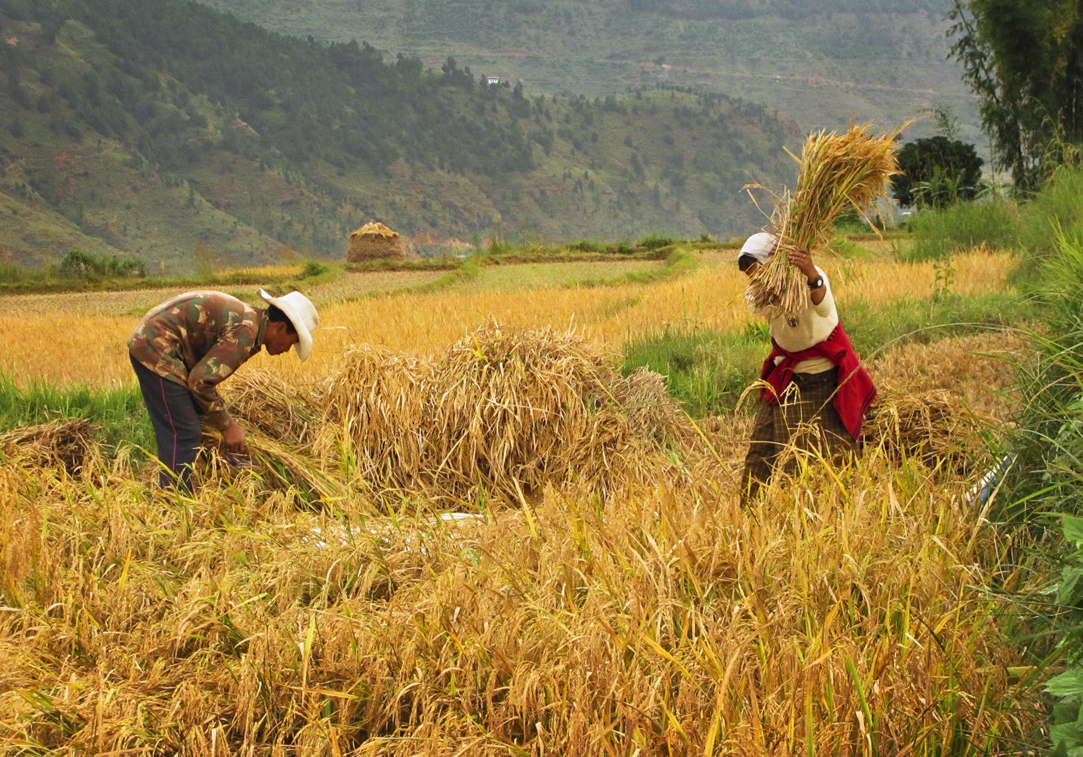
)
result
[(304, 100), (184, 83), (790, 9)]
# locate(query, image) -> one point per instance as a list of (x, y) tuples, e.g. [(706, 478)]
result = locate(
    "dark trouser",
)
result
[(805, 418), (176, 425)]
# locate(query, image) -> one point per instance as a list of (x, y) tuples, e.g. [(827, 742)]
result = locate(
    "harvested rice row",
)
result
[(506, 411), (502, 412)]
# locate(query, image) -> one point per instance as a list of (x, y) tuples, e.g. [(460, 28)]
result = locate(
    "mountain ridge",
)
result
[(816, 62), (139, 131)]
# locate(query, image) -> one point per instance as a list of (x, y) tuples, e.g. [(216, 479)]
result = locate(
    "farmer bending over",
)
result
[(184, 347), (817, 391)]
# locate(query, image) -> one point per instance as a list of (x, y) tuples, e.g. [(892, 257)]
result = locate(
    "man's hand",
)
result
[(234, 436), (801, 259)]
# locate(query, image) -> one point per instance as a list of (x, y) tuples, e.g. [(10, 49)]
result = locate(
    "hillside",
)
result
[(816, 61), (189, 139)]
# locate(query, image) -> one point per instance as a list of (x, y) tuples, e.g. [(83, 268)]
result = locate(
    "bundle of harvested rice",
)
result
[(514, 405), (503, 410), (933, 426), (374, 241), (649, 410), (278, 409), (836, 172), (59, 443), (277, 464), (377, 403)]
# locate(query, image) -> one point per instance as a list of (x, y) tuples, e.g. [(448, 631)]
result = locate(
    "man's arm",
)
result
[(231, 350)]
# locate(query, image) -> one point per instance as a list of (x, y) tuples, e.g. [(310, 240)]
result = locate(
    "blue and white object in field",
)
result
[(984, 489)]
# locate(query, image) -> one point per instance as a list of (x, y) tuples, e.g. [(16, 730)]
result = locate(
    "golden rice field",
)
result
[(514, 550), (135, 302), (62, 338), (570, 274)]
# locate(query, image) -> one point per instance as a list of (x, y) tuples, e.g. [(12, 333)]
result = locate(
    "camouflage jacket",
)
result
[(197, 339)]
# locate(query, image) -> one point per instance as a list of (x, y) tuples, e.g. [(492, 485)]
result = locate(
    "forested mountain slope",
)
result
[(183, 136), (817, 61)]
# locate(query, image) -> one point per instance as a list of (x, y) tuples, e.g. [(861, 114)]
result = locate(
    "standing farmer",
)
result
[(184, 347), (817, 392)]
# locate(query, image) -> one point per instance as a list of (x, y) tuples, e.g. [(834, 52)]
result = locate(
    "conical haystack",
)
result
[(374, 241)]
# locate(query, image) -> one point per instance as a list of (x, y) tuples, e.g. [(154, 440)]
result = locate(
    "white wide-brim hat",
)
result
[(302, 314), (758, 246)]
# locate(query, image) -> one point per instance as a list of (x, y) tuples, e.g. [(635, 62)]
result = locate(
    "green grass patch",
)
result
[(937, 234), (425, 264), (21, 281), (848, 249), (877, 329), (119, 412), (467, 271), (707, 371)]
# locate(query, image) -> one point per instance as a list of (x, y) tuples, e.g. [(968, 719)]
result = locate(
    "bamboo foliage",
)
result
[(836, 172)]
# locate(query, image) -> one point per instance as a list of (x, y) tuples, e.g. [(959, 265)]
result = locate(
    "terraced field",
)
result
[(466, 529)]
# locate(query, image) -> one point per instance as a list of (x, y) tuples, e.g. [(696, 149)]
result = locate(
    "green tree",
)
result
[(1024, 60), (937, 172)]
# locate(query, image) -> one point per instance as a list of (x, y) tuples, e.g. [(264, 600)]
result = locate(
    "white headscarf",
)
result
[(758, 246)]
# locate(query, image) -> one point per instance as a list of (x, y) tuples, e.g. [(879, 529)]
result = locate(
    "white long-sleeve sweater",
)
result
[(807, 329)]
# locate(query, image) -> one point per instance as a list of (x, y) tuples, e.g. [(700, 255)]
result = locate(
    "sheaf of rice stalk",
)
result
[(59, 443), (374, 416), (836, 172), (506, 411), (932, 426), (277, 408), (280, 465)]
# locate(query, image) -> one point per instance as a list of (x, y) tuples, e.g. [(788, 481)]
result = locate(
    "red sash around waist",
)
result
[(856, 391)]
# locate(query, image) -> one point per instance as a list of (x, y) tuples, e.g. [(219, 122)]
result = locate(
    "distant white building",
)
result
[(491, 80)]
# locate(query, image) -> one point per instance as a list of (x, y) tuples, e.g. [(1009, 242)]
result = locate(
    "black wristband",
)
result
[(816, 283)]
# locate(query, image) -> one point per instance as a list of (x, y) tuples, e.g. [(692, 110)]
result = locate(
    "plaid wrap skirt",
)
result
[(805, 420)]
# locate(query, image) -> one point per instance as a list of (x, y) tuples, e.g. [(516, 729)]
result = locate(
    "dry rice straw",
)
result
[(836, 172)]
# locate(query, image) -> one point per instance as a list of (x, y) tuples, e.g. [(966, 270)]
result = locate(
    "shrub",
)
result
[(654, 242), (937, 172), (1058, 205), (314, 268), (621, 248), (1049, 441), (939, 233), (1043, 489), (11, 274), (583, 245), (498, 246), (77, 264), (1055, 211), (850, 221), (83, 265)]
